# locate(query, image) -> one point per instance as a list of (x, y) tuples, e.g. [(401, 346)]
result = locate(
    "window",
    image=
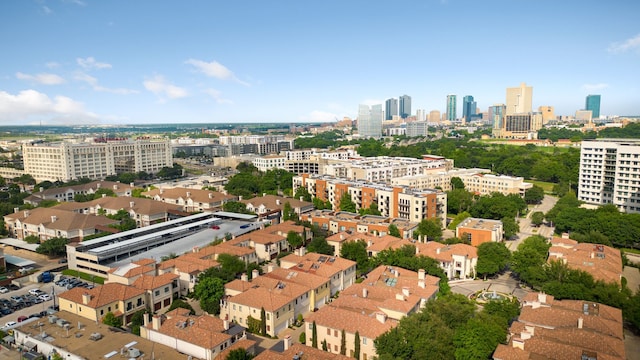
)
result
[(157, 293), (166, 289), (364, 341)]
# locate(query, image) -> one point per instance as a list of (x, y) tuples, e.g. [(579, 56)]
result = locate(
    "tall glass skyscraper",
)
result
[(390, 108), (468, 108), (405, 106), (593, 103), (370, 121), (451, 108)]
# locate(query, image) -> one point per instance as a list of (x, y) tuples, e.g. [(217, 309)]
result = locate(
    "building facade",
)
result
[(390, 108), (592, 102), (519, 99), (405, 106), (370, 121), (96, 160), (609, 173), (451, 108), (468, 108)]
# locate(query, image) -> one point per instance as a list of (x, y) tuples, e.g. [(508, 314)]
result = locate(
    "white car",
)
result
[(36, 292), (3, 290), (9, 324), (45, 297)]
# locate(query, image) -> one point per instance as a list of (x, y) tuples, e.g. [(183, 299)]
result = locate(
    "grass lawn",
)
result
[(84, 276), (546, 186), (633, 251)]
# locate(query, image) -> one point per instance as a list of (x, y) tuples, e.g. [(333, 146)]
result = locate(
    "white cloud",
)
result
[(217, 96), (630, 44), (80, 76), (52, 65), (215, 69), (46, 10), (159, 86), (44, 78), (594, 87), (320, 116), (30, 104), (91, 63)]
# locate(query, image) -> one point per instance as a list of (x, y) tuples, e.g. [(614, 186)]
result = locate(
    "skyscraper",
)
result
[(370, 121), (593, 103), (405, 106), (451, 108), (496, 115), (468, 108), (519, 99), (390, 108)]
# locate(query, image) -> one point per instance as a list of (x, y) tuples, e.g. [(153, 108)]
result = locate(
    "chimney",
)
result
[(145, 319), (15, 209), (26, 213), (244, 277), (161, 191), (592, 255), (104, 195), (341, 235), (210, 195), (98, 185), (400, 297), (86, 298), (518, 343), (421, 274), (287, 342), (369, 243), (131, 204), (188, 193), (438, 251), (132, 184), (302, 251), (301, 198), (525, 335), (269, 268), (155, 322), (239, 197), (54, 218), (195, 249), (405, 291), (421, 284), (580, 322), (255, 273), (365, 293), (382, 317), (225, 324), (115, 187), (41, 189), (264, 194), (542, 298), (277, 201)]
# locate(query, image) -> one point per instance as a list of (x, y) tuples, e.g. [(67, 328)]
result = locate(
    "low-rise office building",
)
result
[(477, 231)]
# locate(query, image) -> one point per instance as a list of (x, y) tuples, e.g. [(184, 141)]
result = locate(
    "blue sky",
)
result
[(133, 62)]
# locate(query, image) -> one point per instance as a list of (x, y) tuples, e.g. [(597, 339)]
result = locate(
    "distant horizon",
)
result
[(89, 62)]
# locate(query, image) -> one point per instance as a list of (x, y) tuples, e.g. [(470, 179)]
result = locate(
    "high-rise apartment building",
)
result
[(405, 106), (468, 108), (610, 173), (69, 161), (592, 103), (519, 99), (496, 115), (421, 115), (370, 121), (547, 113), (390, 108), (451, 108), (417, 128), (435, 116)]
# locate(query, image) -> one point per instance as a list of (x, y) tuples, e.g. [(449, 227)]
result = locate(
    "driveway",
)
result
[(503, 284), (526, 229)]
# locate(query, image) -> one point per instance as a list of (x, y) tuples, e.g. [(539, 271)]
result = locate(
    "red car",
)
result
[(22, 318), (215, 227)]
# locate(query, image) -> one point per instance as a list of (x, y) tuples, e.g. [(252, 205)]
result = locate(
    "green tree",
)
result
[(394, 231), (527, 261), (478, 338), (534, 195), (356, 251), (324, 345), (178, 303), (458, 219), (53, 247), (236, 207), (314, 335), (239, 354), (263, 322), (459, 200), (493, 257), (343, 343), (430, 229), (209, 290), (254, 325), (506, 309), (457, 183), (32, 239), (303, 193), (346, 203), (111, 320), (320, 245), (302, 338), (137, 320), (356, 346), (510, 227), (288, 213), (294, 239), (537, 218)]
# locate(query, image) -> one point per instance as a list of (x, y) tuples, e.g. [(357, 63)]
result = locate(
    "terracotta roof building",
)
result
[(200, 337), (191, 200), (67, 193), (271, 206), (47, 223), (458, 261), (371, 308), (602, 262), (564, 329), (338, 221)]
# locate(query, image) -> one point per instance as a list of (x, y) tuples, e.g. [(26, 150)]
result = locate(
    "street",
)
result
[(526, 229)]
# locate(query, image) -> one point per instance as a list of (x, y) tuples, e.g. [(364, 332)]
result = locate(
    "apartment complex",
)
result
[(392, 201), (371, 308), (191, 200), (610, 173), (339, 221), (564, 329), (308, 161), (95, 160), (602, 262), (382, 169), (67, 193), (478, 181), (479, 231)]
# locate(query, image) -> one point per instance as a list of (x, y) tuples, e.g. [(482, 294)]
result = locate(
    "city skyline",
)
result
[(73, 62)]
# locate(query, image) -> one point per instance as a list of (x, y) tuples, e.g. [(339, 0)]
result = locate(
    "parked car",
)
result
[(22, 318), (3, 290), (13, 287), (45, 297), (16, 298), (36, 292), (215, 227), (6, 311), (9, 324)]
